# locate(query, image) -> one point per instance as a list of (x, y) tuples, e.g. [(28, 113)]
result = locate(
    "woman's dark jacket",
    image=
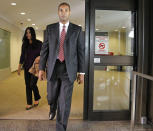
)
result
[(29, 52)]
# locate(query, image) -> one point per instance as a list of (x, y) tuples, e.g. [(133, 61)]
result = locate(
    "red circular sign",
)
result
[(101, 46)]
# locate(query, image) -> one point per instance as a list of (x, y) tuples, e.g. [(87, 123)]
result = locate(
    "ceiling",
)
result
[(41, 12), (109, 20), (44, 12)]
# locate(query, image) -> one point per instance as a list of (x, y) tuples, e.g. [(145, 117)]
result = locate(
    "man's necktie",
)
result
[(61, 48)]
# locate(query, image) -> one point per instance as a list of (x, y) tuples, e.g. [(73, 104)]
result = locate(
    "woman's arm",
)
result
[(22, 57)]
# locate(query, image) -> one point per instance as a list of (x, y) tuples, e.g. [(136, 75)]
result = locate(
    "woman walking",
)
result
[(30, 51)]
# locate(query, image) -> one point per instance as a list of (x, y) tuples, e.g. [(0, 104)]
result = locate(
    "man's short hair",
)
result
[(64, 3)]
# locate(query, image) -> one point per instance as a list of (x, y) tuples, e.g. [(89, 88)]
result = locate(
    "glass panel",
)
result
[(4, 49), (111, 87), (114, 33)]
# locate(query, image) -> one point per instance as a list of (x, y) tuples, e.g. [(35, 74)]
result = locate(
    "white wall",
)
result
[(15, 42), (40, 34)]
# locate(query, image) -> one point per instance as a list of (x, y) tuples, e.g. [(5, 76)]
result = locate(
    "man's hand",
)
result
[(41, 75), (80, 78)]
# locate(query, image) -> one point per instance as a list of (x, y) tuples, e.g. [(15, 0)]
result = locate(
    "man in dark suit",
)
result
[(63, 52)]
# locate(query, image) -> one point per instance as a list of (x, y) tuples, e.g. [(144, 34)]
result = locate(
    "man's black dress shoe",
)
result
[(52, 115)]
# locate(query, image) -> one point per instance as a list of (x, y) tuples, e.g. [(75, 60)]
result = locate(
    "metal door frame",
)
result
[(91, 6)]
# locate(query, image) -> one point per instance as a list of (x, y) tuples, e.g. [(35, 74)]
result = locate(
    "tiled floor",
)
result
[(13, 100), (73, 125), (12, 97), (107, 96), (111, 90)]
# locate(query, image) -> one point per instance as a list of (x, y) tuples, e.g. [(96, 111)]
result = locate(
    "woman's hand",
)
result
[(37, 59), (19, 69)]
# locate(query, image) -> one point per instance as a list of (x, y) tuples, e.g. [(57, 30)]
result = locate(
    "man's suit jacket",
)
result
[(74, 50)]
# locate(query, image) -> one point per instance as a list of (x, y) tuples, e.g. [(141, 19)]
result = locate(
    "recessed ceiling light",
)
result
[(123, 27), (13, 3), (97, 29), (28, 19), (115, 30), (33, 24), (80, 25), (22, 13)]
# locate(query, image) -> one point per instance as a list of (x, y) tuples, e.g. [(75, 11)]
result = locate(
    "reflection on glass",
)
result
[(111, 87), (114, 33)]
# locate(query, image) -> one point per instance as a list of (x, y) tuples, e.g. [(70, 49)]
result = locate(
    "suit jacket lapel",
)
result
[(69, 31), (57, 32)]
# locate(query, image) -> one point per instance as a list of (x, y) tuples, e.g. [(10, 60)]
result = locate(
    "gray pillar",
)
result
[(143, 47)]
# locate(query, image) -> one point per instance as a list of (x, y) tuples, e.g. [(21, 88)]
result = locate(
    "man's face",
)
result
[(64, 13)]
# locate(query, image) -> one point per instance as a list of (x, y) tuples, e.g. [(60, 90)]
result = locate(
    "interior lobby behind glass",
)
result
[(114, 35)]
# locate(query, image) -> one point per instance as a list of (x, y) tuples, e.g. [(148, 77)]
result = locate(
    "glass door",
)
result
[(111, 63)]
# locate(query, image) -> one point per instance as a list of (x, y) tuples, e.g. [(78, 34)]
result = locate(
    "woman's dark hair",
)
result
[(33, 37)]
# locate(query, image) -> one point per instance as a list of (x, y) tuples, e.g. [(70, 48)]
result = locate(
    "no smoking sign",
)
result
[(101, 46)]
